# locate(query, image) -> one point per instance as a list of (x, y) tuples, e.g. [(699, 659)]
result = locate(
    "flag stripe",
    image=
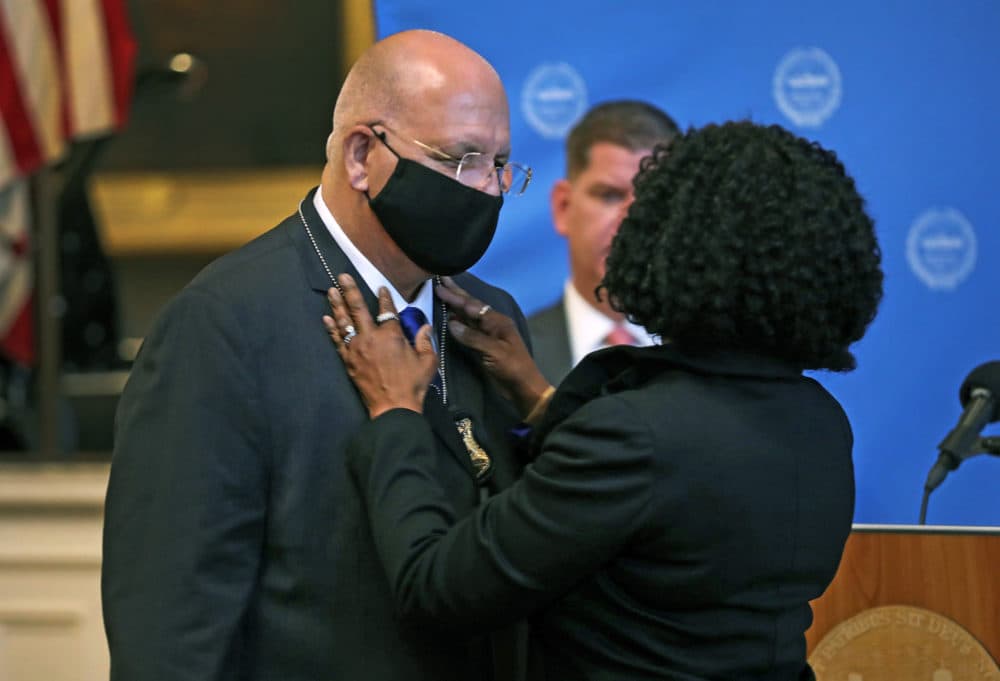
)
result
[(19, 342), (16, 302), (20, 130), (13, 211), (86, 68), (122, 50), (17, 289), (36, 66), (55, 16), (8, 162)]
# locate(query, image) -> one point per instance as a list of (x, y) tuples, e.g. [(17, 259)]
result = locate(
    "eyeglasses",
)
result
[(474, 168)]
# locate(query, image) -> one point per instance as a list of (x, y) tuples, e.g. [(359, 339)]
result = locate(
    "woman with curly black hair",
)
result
[(684, 502), (748, 238)]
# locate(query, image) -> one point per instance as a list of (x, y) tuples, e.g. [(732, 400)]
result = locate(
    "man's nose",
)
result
[(490, 184)]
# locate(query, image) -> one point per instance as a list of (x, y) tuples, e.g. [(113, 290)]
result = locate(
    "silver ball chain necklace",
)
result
[(443, 327)]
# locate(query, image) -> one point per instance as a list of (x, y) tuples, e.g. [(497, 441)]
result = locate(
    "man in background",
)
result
[(603, 152)]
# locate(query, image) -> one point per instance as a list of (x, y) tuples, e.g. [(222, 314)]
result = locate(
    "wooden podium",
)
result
[(904, 594)]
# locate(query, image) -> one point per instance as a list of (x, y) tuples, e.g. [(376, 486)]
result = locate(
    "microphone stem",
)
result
[(923, 505)]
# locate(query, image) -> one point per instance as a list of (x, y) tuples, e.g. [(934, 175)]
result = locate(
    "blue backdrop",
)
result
[(901, 91)]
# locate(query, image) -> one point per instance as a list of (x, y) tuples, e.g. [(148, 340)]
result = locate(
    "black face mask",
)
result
[(443, 226)]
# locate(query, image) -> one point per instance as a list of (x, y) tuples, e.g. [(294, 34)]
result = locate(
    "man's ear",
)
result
[(330, 142), (559, 199), (356, 146)]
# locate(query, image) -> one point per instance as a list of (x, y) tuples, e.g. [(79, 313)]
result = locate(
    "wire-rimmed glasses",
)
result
[(474, 168)]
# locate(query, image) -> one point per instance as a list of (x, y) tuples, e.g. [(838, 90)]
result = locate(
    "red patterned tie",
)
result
[(619, 336)]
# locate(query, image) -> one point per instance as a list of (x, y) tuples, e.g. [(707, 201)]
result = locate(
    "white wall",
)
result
[(50, 564)]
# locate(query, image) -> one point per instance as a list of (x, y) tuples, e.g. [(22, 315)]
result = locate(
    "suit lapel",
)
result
[(465, 397), (442, 422), (465, 387), (312, 264), (440, 417), (560, 337)]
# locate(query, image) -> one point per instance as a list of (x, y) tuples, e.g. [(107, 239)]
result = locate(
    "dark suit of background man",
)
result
[(235, 545), (603, 152)]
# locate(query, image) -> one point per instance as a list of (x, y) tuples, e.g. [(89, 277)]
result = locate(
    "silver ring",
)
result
[(349, 336), (386, 316), (483, 310), (349, 330)]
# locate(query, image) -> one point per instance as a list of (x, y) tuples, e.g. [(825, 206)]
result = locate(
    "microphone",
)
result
[(989, 445), (980, 398)]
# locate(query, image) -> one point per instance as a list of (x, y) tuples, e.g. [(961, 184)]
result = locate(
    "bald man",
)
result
[(235, 544)]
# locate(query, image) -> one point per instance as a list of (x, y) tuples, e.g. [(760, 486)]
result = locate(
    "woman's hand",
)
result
[(388, 373), (504, 355)]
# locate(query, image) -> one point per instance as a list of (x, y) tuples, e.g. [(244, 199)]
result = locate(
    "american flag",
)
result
[(65, 75)]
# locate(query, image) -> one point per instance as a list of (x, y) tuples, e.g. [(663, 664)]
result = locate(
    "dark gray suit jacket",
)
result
[(236, 545), (550, 342), (681, 514)]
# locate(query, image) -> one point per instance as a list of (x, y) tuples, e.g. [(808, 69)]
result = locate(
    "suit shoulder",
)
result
[(546, 316), (251, 282), (252, 269)]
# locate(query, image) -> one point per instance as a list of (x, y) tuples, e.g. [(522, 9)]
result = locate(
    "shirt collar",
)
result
[(372, 277), (588, 327)]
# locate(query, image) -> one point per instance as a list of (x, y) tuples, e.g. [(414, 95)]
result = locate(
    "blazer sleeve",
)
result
[(185, 509), (574, 508)]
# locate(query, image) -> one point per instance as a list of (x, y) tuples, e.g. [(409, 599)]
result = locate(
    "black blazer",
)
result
[(681, 515), (550, 342), (235, 543)]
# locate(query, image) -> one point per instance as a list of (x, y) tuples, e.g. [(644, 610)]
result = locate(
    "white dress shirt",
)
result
[(373, 278), (588, 327)]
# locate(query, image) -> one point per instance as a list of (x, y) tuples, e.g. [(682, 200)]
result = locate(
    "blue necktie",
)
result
[(411, 319)]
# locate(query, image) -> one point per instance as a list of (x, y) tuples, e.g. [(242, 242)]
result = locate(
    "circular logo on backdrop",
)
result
[(553, 98), (941, 248), (895, 642), (807, 86)]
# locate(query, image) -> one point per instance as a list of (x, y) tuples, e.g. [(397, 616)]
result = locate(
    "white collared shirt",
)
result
[(588, 327), (373, 278)]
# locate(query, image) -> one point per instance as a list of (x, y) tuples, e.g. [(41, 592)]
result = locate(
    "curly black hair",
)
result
[(747, 237)]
